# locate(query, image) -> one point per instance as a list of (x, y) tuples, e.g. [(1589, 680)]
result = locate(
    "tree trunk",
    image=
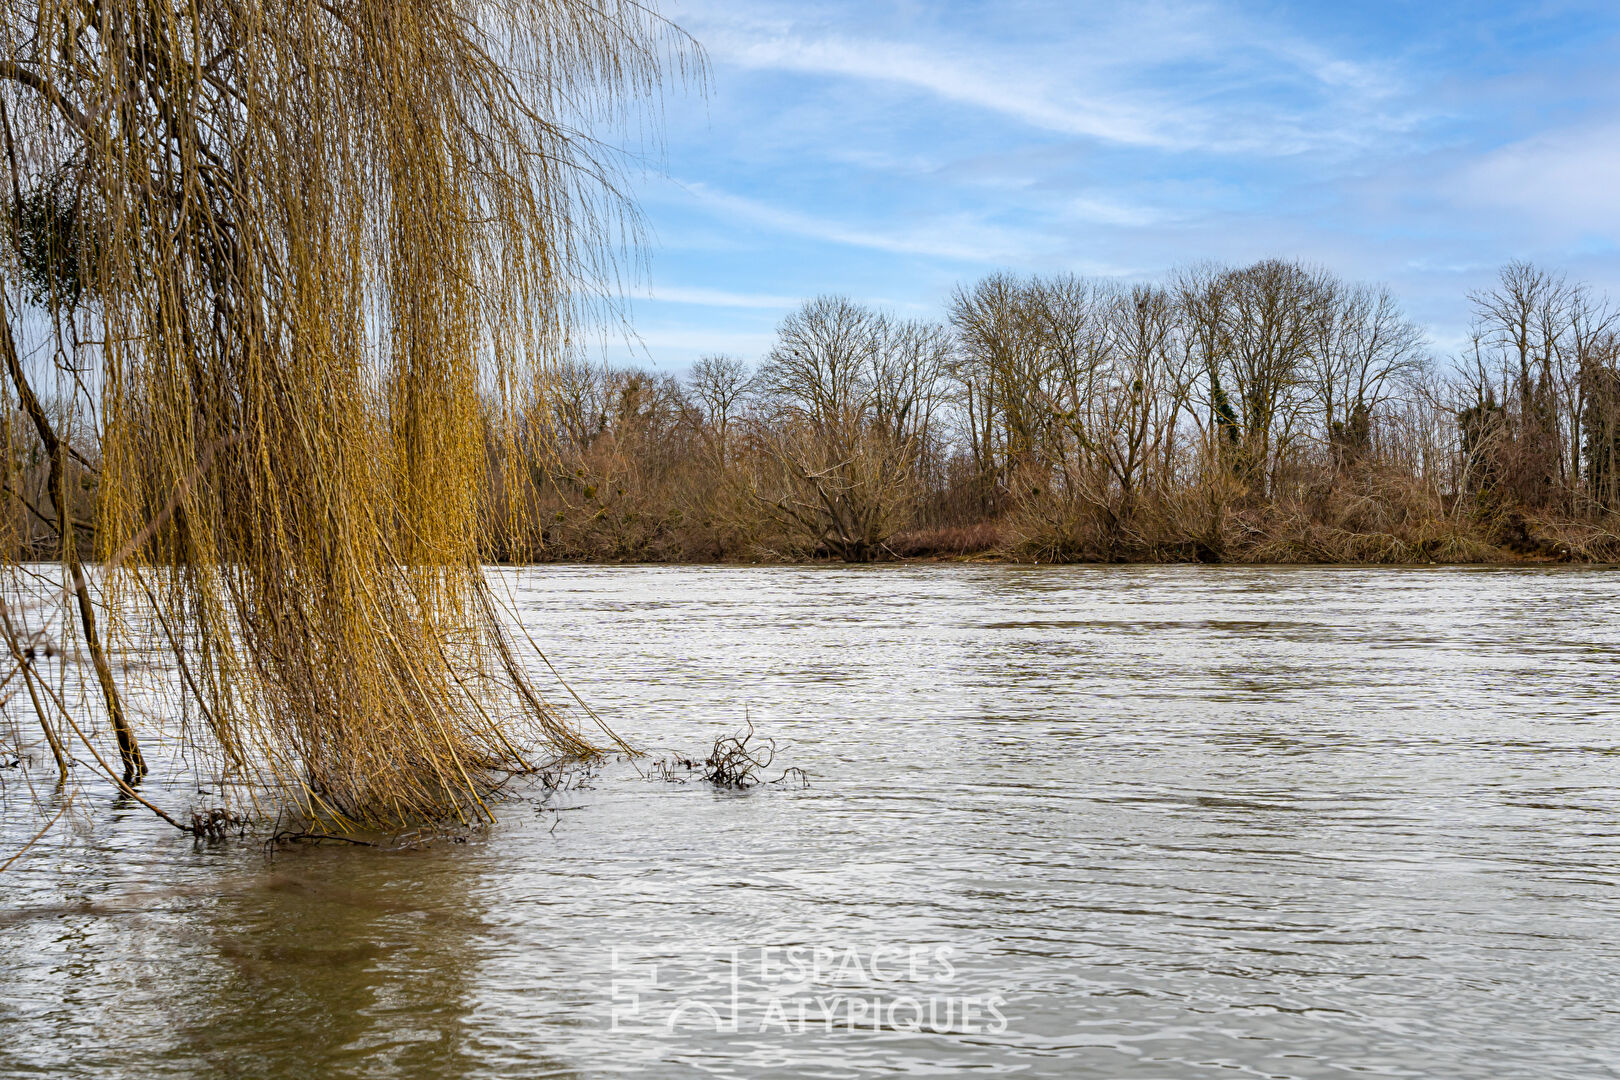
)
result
[(128, 749)]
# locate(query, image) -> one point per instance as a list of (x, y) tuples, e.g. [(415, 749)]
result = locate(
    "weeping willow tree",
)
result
[(293, 264)]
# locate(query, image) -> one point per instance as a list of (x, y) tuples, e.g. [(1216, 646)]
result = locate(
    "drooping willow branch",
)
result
[(312, 247)]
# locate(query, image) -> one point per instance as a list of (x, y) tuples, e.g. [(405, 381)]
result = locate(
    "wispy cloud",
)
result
[(720, 298), (962, 238), (953, 79), (1107, 86), (1103, 210)]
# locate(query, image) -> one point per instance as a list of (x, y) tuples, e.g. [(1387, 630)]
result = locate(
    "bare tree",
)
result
[(1521, 316), (1523, 324), (720, 384), (849, 395), (1271, 308), (1364, 349), (1585, 354), (1005, 372), (1145, 393), (1601, 421)]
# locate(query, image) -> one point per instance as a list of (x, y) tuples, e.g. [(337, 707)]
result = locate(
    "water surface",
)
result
[(1088, 822)]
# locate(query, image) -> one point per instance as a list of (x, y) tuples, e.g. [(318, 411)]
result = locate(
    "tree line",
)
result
[(1270, 412)]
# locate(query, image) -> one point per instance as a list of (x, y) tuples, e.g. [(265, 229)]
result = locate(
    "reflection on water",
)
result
[(1164, 822)]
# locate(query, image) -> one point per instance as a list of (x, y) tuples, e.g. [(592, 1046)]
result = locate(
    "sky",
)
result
[(889, 150)]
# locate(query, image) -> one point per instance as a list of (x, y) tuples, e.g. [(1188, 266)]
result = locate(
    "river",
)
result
[(1166, 822)]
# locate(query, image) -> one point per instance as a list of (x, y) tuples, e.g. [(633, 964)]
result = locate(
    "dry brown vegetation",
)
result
[(1268, 413)]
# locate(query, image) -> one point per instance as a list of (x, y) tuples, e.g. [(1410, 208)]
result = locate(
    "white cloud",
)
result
[(702, 297), (1105, 211), (1565, 179)]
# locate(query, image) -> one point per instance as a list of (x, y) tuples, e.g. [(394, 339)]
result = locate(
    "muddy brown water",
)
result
[(1080, 822)]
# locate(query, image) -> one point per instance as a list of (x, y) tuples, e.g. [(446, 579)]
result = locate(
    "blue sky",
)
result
[(889, 150)]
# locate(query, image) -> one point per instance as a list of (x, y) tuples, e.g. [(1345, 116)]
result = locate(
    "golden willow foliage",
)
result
[(325, 246)]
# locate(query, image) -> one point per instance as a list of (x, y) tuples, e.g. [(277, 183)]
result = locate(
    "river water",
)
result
[(1080, 822)]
